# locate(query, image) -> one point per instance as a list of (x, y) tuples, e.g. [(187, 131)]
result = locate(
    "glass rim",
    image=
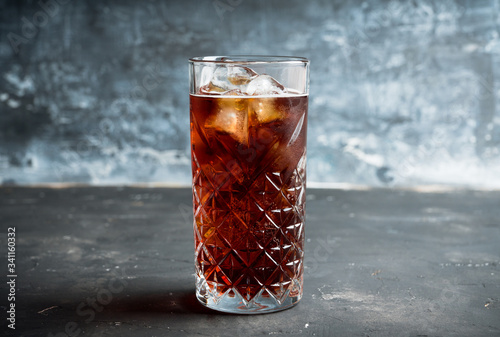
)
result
[(249, 59)]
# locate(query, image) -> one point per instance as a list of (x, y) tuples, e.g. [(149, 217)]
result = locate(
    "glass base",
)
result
[(232, 302)]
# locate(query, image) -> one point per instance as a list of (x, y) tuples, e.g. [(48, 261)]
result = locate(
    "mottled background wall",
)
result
[(402, 92)]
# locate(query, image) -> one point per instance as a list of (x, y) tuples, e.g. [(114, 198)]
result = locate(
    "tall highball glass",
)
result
[(248, 148)]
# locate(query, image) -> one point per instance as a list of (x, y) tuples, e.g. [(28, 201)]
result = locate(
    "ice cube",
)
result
[(264, 85), (231, 118), (266, 110), (240, 75), (219, 82), (206, 75), (211, 89), (228, 78), (234, 92)]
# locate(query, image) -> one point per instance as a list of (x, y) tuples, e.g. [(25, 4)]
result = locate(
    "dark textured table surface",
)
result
[(108, 261)]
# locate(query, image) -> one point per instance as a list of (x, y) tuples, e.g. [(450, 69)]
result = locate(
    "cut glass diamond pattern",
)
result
[(259, 254)]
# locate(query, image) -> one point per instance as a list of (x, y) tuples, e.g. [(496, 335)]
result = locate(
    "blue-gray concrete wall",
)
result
[(402, 92)]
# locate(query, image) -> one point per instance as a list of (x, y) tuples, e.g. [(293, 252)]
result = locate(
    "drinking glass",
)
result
[(248, 119)]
